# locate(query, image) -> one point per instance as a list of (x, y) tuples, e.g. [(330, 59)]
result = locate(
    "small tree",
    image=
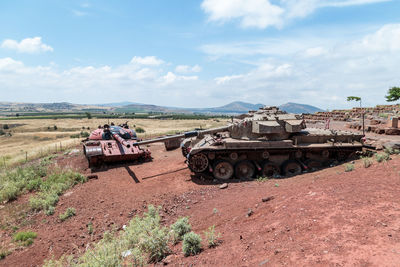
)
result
[(88, 115), (393, 94), (354, 98)]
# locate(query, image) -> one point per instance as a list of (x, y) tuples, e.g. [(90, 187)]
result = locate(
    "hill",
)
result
[(299, 108), (237, 107)]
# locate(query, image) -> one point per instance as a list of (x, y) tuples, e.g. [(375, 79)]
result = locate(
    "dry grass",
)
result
[(38, 137)]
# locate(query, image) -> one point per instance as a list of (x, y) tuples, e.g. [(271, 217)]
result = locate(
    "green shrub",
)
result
[(139, 130), (50, 210), (383, 115), (191, 244), (212, 237), (85, 134), (90, 228), (63, 261), (262, 179), (349, 167), (6, 127), (4, 253), (180, 228), (25, 238), (15, 182), (51, 188), (367, 162), (44, 201), (67, 214), (389, 150), (148, 235), (382, 157), (75, 135), (111, 252)]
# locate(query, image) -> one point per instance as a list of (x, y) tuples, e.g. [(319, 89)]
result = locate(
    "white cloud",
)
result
[(321, 75), (149, 60), (313, 71), (226, 79), (9, 64), (315, 51), (91, 84), (27, 45), (170, 77), (386, 38), (264, 13), (187, 69), (252, 13)]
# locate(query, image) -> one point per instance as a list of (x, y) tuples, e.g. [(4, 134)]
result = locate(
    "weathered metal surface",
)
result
[(113, 144), (264, 142)]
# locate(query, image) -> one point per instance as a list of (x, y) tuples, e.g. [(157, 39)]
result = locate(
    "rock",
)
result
[(266, 199), (223, 186), (391, 145), (392, 131), (92, 176), (168, 259), (74, 151), (249, 212), (68, 194), (126, 253)]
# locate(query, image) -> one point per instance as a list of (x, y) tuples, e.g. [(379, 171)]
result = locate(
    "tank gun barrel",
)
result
[(121, 140), (184, 135)]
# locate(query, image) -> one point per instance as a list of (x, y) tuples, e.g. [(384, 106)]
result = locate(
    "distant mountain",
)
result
[(298, 108), (117, 104), (234, 107), (231, 108)]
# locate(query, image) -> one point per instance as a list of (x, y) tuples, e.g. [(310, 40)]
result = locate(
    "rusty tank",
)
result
[(267, 143), (113, 144)]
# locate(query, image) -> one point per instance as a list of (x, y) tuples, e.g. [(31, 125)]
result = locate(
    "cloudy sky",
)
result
[(199, 53)]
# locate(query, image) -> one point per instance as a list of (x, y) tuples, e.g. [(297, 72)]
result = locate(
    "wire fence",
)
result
[(41, 151)]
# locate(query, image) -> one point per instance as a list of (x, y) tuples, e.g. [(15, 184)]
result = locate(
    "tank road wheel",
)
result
[(223, 170), (244, 169), (198, 162), (270, 169), (291, 168), (313, 164)]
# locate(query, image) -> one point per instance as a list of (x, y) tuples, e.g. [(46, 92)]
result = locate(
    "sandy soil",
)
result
[(325, 218)]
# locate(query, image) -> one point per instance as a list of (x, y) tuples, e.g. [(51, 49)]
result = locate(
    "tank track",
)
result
[(246, 164)]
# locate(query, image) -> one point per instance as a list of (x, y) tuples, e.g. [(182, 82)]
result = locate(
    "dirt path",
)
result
[(329, 217)]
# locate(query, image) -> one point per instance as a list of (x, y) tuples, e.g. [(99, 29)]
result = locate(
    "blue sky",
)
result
[(199, 53)]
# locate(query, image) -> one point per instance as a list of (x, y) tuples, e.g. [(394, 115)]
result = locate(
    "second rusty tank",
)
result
[(267, 142), (113, 144)]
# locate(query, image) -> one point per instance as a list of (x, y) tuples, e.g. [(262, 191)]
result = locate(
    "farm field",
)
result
[(37, 137)]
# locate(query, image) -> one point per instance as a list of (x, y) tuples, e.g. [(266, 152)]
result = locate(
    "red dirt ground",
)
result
[(325, 218)]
